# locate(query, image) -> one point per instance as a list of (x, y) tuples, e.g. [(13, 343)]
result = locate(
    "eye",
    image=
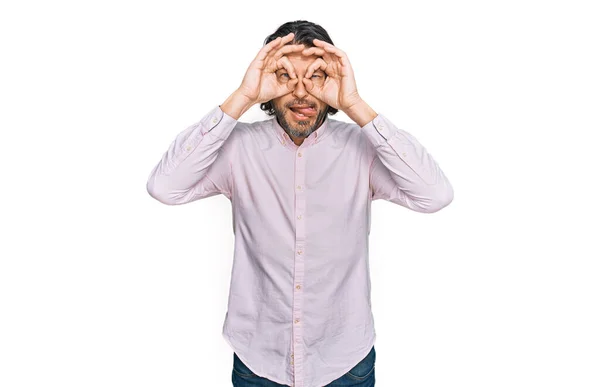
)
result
[(284, 75), (316, 75)]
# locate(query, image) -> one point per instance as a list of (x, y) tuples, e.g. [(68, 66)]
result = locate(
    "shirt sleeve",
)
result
[(402, 171), (198, 162)]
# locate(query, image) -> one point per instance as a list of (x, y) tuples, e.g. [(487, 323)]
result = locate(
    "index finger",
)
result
[(262, 54), (318, 52), (332, 49), (287, 49), (284, 63)]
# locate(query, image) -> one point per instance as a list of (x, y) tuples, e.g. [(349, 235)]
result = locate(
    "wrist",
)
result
[(361, 113), (236, 104)]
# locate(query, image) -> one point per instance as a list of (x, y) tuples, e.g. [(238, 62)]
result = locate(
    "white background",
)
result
[(101, 285)]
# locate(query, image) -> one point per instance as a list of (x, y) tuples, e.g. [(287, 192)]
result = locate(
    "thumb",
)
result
[(310, 87), (291, 84)]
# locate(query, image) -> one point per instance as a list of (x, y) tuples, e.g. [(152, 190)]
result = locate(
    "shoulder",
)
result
[(349, 134), (254, 129), (254, 134)]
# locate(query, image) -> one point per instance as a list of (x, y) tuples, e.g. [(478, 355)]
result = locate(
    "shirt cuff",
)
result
[(218, 123), (379, 130)]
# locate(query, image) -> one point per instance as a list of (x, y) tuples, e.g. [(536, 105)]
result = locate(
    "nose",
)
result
[(299, 90)]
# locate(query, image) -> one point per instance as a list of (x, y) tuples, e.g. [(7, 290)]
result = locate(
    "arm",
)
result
[(197, 164), (402, 171)]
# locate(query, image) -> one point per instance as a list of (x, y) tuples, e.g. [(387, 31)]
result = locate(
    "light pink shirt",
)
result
[(299, 309)]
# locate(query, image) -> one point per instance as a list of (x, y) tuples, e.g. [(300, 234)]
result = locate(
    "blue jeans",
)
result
[(362, 375)]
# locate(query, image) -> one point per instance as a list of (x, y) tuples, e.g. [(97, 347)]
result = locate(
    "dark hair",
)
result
[(304, 33)]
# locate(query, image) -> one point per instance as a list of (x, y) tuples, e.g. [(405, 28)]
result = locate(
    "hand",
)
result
[(260, 83), (339, 88)]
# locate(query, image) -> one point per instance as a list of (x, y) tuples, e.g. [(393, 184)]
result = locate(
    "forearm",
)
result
[(361, 113), (236, 104)]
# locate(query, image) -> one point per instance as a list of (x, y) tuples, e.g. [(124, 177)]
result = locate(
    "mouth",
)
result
[(303, 112)]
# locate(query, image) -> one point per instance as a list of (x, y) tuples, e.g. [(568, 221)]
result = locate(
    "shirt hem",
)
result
[(359, 358), (245, 361)]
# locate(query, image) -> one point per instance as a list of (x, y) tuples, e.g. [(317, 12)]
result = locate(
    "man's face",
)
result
[(299, 113)]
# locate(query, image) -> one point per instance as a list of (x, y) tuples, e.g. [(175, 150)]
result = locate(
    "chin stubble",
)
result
[(289, 129)]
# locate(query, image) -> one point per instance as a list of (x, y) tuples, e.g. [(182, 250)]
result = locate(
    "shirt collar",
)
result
[(313, 138)]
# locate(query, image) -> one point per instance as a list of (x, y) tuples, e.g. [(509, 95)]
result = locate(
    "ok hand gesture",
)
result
[(260, 83), (339, 89)]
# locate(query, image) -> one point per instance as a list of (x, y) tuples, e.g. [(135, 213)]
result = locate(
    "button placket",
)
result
[(297, 361)]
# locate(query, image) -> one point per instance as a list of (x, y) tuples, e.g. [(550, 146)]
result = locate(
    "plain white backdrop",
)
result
[(101, 285)]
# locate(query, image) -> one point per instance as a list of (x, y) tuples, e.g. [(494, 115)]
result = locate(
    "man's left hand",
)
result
[(339, 87)]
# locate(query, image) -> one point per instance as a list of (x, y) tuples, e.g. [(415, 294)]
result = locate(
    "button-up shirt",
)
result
[(299, 307)]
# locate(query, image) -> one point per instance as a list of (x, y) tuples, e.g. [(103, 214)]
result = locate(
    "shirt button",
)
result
[(299, 187), (298, 287), (188, 148), (403, 154), (297, 321), (214, 120), (299, 216), (299, 252), (299, 154)]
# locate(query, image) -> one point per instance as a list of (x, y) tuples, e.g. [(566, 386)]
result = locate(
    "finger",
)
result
[(283, 89), (291, 84), (313, 51), (308, 84), (287, 49), (283, 42), (318, 64), (311, 88), (324, 44), (320, 52), (284, 63), (288, 38), (262, 54), (332, 49)]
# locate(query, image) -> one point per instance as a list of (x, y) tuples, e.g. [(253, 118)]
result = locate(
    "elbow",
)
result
[(158, 194), (440, 200)]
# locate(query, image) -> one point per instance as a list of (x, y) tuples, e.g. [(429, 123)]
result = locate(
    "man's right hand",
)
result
[(260, 84)]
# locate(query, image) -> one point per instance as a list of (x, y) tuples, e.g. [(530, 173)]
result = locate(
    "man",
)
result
[(301, 186)]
